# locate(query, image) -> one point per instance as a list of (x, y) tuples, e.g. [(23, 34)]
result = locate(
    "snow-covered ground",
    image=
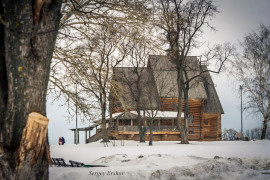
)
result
[(166, 160)]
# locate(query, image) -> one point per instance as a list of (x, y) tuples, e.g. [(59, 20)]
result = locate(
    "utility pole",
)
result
[(76, 136), (241, 89)]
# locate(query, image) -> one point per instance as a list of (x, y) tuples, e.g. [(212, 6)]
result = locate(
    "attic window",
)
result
[(191, 132), (205, 122), (191, 118)]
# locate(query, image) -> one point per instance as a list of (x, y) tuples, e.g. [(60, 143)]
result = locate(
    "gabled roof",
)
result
[(165, 75), (213, 104), (159, 80), (132, 83)]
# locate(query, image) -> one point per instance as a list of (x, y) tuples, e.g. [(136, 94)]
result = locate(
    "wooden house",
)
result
[(153, 90)]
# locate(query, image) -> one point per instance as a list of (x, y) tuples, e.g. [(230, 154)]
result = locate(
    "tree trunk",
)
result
[(3, 76), (180, 87), (104, 128), (27, 40), (141, 127), (151, 132), (184, 138), (264, 129), (177, 58)]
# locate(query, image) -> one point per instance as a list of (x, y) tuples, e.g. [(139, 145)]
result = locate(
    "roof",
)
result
[(213, 104), (165, 75), (159, 79), (136, 87)]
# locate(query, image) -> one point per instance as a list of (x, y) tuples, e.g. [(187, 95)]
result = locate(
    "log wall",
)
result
[(205, 127)]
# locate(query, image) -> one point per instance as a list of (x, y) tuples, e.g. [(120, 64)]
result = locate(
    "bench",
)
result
[(76, 164), (59, 162)]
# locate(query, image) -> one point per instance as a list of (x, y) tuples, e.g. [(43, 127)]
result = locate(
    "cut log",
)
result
[(33, 139)]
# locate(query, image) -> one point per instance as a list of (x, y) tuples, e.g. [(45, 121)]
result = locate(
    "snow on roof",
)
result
[(148, 113), (153, 113)]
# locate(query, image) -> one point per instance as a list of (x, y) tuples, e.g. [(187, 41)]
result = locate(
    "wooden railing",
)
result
[(155, 128)]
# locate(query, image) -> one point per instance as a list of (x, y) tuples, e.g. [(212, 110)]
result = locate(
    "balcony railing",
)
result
[(155, 128)]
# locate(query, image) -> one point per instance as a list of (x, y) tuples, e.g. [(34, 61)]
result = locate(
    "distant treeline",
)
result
[(255, 133)]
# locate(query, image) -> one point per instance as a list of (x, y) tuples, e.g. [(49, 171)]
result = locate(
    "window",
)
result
[(191, 118)]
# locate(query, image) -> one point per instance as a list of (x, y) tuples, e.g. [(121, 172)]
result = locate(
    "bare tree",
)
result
[(256, 133), (253, 71), (91, 63), (194, 72), (138, 58), (82, 44), (151, 94), (182, 23), (228, 134)]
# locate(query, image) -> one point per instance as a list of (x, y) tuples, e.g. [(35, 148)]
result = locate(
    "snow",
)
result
[(148, 113), (159, 114), (166, 160), (154, 113)]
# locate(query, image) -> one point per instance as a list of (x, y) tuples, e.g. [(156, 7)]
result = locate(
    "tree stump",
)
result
[(33, 139)]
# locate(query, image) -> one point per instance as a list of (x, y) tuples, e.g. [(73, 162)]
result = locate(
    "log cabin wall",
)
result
[(205, 126), (211, 127), (195, 108)]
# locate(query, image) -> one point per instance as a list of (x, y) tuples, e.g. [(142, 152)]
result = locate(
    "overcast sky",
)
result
[(236, 19)]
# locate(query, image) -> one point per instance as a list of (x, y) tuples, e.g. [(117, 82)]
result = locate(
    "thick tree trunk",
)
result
[(29, 34), (264, 129), (180, 92), (141, 127), (144, 130), (3, 76), (184, 139)]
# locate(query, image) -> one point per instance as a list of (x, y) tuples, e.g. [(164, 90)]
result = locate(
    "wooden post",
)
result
[(85, 136), (33, 139), (74, 137), (172, 122), (159, 124), (78, 137), (131, 123)]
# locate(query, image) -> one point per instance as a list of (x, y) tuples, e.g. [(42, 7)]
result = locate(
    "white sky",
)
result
[(236, 19)]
